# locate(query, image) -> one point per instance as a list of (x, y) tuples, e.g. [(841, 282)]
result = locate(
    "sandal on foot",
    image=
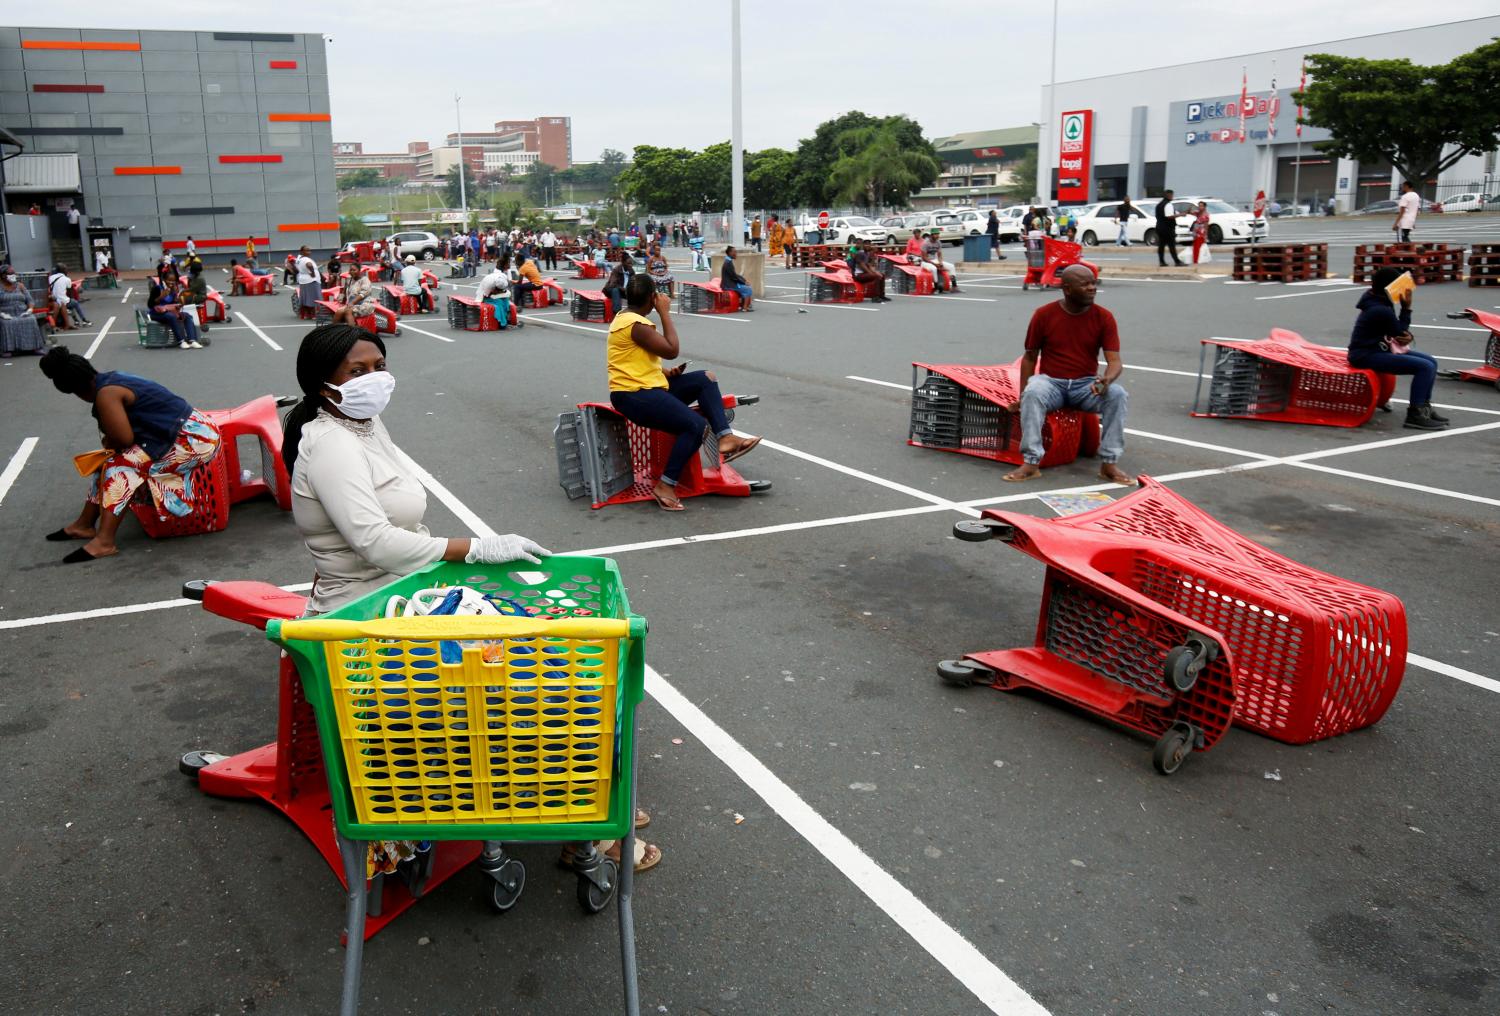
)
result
[(80, 555), (647, 855), (62, 536), (642, 818), (742, 449), (667, 504)]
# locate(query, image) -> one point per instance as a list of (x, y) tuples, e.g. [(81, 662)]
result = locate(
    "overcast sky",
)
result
[(657, 71)]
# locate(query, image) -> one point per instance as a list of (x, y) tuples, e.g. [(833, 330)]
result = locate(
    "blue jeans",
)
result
[(745, 294), (667, 409), (1044, 394), (616, 297), (182, 326), (1421, 367)]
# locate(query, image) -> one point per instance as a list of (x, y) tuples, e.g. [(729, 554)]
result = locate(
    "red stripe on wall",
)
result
[(249, 158), (229, 242), (306, 227), (148, 170), (283, 65), (105, 47), (67, 88), (298, 117)]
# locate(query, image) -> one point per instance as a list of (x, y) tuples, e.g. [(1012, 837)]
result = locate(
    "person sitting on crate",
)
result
[(1381, 341), (61, 288), (494, 289), (411, 285), (527, 279), (357, 295), (731, 281), (1068, 336), (619, 278), (164, 306), (152, 437), (648, 396), (932, 260), (20, 329), (862, 269)]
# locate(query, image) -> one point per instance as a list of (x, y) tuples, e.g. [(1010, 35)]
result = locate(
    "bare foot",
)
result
[(666, 498), (1114, 474), (1028, 471)]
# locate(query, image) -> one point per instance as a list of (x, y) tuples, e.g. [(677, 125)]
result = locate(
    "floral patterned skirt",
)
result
[(170, 479)]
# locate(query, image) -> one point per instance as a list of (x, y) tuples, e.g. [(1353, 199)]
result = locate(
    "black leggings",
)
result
[(667, 409)]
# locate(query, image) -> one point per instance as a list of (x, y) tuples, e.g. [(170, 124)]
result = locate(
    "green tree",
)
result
[(452, 198), (352, 229), (709, 179), (770, 178), (877, 167), (507, 212), (541, 183), (1022, 183), (366, 177), (817, 155), (1419, 119), (658, 179)]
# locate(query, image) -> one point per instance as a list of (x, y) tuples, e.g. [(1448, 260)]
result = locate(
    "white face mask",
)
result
[(11, 278), (366, 396)]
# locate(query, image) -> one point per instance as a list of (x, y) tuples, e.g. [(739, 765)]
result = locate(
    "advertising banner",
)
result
[(1074, 151)]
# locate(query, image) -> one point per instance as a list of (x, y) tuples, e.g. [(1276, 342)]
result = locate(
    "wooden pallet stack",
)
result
[(1427, 262), (1484, 264), (1281, 262)]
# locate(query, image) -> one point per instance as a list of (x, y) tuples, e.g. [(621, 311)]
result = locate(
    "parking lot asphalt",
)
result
[(842, 832)]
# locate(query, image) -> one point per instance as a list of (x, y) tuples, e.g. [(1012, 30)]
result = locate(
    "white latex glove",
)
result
[(500, 549)]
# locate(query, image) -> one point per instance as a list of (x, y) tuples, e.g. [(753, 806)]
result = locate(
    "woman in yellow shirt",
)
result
[(648, 396)]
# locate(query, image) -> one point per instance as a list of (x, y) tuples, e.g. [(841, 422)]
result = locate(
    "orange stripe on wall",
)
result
[(148, 171), (298, 117), (306, 227), (116, 47)]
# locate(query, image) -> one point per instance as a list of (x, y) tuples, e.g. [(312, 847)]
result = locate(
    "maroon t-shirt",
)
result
[(1070, 344)]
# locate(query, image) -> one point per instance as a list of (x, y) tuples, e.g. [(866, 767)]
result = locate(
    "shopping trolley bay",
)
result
[(842, 830)]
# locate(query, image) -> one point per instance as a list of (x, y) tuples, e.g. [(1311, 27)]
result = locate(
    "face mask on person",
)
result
[(11, 279), (366, 396)]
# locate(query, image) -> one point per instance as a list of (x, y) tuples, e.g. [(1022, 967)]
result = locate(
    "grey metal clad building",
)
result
[(157, 135)]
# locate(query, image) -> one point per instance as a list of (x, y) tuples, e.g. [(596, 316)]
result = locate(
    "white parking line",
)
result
[(1317, 292), (945, 297), (1451, 328), (263, 336), (94, 346), (15, 465), (128, 291), (824, 306), (405, 326)]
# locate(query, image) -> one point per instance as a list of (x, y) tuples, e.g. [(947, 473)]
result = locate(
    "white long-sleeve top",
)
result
[(358, 504)]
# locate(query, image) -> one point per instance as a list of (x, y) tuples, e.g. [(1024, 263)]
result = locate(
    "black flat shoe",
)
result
[(79, 556), (62, 536)]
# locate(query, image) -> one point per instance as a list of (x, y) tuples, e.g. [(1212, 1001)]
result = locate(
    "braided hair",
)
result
[(71, 374), (322, 351)]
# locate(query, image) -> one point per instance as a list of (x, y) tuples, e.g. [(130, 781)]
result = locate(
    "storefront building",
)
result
[(1180, 127), (155, 136)]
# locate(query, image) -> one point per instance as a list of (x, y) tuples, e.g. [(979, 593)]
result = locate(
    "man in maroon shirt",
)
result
[(1068, 337)]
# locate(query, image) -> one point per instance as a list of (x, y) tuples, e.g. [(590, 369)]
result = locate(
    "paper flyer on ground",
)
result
[(1075, 504)]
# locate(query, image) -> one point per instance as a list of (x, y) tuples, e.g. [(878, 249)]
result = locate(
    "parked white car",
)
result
[(897, 231), (976, 222), (1096, 223), (1225, 222), (1471, 201), (844, 228), (948, 226), (423, 245)]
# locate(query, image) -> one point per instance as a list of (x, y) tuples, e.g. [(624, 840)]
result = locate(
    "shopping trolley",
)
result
[(1490, 371), (528, 735), (1158, 616)]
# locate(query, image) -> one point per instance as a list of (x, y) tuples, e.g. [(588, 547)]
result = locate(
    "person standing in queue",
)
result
[(309, 282), (648, 396), (1060, 370), (1166, 230)]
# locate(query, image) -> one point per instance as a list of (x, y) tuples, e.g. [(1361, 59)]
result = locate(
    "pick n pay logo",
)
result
[(1194, 112)]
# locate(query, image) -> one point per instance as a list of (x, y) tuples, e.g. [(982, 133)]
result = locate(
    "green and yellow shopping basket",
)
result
[(482, 727)]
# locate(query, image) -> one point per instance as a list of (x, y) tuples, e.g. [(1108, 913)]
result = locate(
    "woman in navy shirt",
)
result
[(1370, 348), (151, 437)]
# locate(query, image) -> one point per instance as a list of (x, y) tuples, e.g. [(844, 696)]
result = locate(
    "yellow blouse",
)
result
[(632, 366)]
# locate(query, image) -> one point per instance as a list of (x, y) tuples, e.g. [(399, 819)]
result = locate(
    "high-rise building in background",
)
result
[(159, 135)]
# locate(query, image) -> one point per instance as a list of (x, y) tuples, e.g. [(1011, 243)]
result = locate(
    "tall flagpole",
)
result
[(736, 141), (1046, 188)]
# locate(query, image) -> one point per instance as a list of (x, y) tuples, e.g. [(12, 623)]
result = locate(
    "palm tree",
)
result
[(874, 161)]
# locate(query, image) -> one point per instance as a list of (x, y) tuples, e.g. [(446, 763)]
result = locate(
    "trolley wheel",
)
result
[(1497, 384), (1181, 668), (1171, 751), (962, 673), (509, 881), (594, 898), (759, 486), (193, 761), (980, 530)]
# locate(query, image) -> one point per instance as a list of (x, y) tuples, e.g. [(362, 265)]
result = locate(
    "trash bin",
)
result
[(977, 248), (814, 236)]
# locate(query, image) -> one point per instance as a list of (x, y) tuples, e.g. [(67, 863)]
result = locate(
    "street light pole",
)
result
[(1046, 182), (737, 155), (463, 194)]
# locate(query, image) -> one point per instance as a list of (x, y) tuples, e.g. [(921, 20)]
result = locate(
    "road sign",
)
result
[(822, 220)]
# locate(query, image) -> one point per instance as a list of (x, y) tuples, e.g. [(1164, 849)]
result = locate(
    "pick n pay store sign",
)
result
[(1074, 149)]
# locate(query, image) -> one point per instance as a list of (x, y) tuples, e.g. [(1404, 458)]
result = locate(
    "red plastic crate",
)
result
[(1287, 379), (977, 422), (211, 499)]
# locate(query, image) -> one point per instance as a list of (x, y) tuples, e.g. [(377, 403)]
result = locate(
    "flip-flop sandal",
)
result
[(742, 449), (673, 505), (62, 536), (81, 554), (642, 818)]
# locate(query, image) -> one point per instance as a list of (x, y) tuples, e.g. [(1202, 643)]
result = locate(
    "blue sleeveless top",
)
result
[(156, 415)]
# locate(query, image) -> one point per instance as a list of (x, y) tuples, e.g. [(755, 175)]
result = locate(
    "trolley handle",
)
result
[(464, 627)]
